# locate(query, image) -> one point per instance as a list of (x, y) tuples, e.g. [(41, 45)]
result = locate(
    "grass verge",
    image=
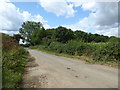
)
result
[(13, 67), (13, 62)]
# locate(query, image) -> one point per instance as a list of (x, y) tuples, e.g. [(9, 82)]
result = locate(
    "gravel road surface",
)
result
[(60, 72)]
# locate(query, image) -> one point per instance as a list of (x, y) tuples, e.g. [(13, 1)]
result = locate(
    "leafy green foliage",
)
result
[(99, 52), (13, 67), (17, 37), (28, 29), (107, 52), (62, 40), (33, 33), (13, 62), (63, 34), (37, 36), (90, 37), (56, 46)]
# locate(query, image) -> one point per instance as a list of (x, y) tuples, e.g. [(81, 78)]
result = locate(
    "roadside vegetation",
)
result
[(13, 62), (93, 48)]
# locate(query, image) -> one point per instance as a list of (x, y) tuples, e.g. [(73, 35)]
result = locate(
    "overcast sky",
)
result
[(94, 17)]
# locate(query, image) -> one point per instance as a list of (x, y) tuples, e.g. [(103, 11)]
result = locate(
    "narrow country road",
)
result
[(60, 72)]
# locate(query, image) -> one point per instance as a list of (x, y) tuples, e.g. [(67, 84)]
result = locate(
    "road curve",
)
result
[(61, 72)]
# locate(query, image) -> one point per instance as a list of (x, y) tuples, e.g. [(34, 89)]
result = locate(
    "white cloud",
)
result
[(11, 18), (37, 18), (83, 25), (110, 32), (106, 14), (103, 18), (89, 6), (28, 16), (25, 15), (58, 7)]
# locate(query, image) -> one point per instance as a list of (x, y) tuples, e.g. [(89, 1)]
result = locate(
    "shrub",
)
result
[(99, 52), (56, 46), (71, 47), (13, 67), (76, 47), (106, 52), (8, 43), (13, 62)]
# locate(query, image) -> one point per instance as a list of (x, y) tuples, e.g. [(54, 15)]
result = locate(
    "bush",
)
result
[(13, 67), (99, 52), (55, 46), (13, 62), (76, 47), (106, 52), (71, 47), (8, 43)]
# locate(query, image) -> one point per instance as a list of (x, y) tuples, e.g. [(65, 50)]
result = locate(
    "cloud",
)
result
[(106, 14), (108, 32), (89, 6), (11, 18), (37, 18), (103, 18), (83, 25), (58, 7)]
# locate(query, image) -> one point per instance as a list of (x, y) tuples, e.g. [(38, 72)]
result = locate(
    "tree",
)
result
[(63, 34), (28, 29), (114, 39), (80, 35), (37, 36), (17, 37), (50, 33)]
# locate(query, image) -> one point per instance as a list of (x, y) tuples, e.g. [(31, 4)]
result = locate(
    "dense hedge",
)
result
[(105, 52)]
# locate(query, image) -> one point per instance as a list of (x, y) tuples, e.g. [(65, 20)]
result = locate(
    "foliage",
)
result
[(90, 37), (17, 37), (33, 33), (62, 40), (28, 29), (56, 46), (63, 34), (8, 43), (37, 36), (107, 52), (50, 33), (98, 52), (13, 62)]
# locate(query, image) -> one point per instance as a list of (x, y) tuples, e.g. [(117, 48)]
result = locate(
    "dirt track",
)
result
[(52, 71)]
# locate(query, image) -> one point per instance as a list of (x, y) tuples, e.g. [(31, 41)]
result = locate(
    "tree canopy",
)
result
[(28, 29), (63, 34), (33, 33), (17, 37)]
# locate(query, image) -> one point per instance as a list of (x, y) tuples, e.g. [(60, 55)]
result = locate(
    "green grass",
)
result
[(13, 67), (13, 62), (85, 58)]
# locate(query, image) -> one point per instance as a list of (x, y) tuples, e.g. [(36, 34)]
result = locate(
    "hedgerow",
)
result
[(13, 62), (99, 52)]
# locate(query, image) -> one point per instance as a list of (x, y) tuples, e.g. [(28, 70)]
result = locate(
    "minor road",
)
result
[(60, 72)]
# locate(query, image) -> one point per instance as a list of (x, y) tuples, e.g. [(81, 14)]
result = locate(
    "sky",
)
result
[(92, 17)]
